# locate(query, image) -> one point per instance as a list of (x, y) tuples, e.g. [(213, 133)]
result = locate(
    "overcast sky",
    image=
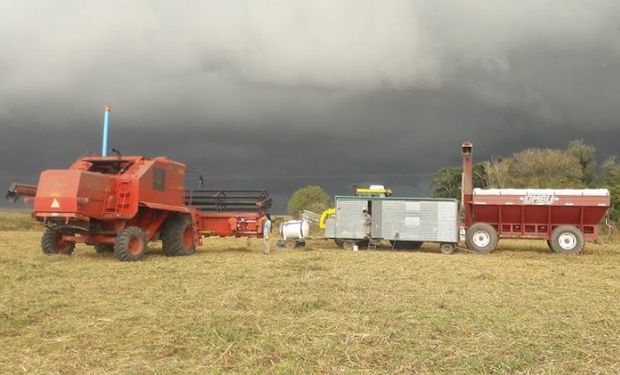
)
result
[(281, 94)]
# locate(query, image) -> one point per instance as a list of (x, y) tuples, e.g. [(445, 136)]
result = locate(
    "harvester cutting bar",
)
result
[(229, 200), (20, 190)]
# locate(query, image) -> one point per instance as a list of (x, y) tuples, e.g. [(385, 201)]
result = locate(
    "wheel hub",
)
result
[(135, 246), (481, 238), (567, 241)]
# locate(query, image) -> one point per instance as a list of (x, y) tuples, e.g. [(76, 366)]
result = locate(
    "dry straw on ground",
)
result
[(228, 308)]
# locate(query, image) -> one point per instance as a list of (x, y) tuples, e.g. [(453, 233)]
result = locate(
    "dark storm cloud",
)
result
[(280, 94)]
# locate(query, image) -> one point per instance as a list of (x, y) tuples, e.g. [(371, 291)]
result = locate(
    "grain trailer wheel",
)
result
[(130, 245), (339, 243), (178, 236), (103, 248), (567, 239), (482, 238), (447, 248), (52, 243)]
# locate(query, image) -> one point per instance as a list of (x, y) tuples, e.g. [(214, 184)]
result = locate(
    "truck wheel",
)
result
[(52, 243), (447, 248), (567, 239), (363, 244), (178, 236), (104, 248), (130, 245), (482, 238)]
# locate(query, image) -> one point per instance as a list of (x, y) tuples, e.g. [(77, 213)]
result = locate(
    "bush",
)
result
[(312, 198)]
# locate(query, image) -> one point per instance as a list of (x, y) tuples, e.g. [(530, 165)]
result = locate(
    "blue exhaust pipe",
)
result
[(106, 129)]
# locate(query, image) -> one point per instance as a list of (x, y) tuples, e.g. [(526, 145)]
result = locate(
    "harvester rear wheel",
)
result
[(52, 243), (567, 239), (178, 236), (481, 238), (103, 248), (130, 244)]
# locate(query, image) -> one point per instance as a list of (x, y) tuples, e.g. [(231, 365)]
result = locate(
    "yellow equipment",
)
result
[(373, 191), (327, 213)]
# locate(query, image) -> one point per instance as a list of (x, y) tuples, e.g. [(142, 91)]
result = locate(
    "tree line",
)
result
[(574, 167)]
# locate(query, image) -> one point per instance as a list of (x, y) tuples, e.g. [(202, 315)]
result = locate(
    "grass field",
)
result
[(228, 308)]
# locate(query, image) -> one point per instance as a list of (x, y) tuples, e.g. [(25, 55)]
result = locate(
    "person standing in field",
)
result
[(367, 222), (266, 231)]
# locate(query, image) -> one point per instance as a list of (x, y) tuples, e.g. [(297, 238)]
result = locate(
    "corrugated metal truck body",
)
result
[(416, 220), (400, 220)]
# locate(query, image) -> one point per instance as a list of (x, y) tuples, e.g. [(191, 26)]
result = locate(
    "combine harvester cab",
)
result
[(565, 218)]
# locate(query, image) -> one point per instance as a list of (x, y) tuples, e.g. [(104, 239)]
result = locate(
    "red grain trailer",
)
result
[(565, 218)]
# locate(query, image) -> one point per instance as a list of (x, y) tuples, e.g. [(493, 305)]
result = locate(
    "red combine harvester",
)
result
[(119, 204), (565, 218)]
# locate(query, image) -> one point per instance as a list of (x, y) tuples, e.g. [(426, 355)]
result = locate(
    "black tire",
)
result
[(339, 243), (481, 238), (130, 245), (103, 248), (549, 244), (447, 248), (406, 245), (363, 244), (51, 243), (567, 239), (178, 236)]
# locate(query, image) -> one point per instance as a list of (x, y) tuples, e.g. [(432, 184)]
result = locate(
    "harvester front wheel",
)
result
[(52, 243), (481, 238), (567, 239), (103, 248), (178, 236), (130, 244)]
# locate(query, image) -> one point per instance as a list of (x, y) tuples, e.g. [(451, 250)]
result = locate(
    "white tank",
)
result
[(294, 230)]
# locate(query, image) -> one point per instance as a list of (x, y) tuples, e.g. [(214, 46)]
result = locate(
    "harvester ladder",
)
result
[(123, 196), (195, 214)]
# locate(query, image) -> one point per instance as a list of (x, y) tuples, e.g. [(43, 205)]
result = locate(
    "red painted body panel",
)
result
[(236, 224), (516, 221), (101, 196), (530, 216)]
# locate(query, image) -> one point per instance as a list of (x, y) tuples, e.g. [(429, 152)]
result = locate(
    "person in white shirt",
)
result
[(367, 222), (266, 231)]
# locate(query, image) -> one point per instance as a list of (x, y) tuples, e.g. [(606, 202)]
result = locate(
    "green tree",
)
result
[(446, 182), (546, 168), (610, 178), (498, 173), (312, 198), (610, 172), (586, 155)]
